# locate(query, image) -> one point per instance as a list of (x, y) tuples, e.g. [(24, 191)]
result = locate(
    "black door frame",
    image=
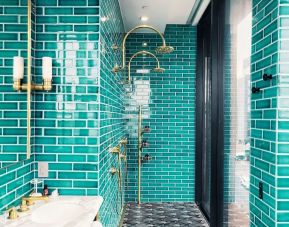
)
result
[(203, 51), (217, 113)]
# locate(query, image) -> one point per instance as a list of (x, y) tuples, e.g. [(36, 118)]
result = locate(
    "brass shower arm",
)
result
[(139, 53), (144, 52), (132, 30)]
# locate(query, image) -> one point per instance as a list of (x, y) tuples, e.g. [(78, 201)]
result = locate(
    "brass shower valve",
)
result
[(123, 141), (115, 150), (123, 156), (113, 170)]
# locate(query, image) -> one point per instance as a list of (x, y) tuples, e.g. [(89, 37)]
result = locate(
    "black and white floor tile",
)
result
[(163, 214)]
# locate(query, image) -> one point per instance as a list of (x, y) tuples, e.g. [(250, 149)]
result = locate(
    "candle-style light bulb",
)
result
[(47, 68), (18, 68)]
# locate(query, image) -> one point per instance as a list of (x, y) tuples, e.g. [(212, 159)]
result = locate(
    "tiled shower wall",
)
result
[(269, 148), (264, 112), (168, 101), (14, 180), (282, 159), (111, 96)]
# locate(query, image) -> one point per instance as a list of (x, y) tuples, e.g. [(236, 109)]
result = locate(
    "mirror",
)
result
[(15, 40)]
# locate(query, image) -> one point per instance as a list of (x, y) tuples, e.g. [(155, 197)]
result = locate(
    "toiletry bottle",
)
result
[(45, 190)]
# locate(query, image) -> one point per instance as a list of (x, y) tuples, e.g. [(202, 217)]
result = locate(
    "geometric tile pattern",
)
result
[(163, 214)]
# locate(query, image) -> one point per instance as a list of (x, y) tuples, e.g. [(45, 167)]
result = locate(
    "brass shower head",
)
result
[(164, 49), (159, 70)]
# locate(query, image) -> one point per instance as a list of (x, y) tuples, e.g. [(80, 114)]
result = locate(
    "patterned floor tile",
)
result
[(163, 214)]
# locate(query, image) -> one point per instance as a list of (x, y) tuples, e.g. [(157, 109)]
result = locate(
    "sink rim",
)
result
[(45, 214)]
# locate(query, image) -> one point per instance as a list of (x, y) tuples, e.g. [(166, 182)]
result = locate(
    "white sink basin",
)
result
[(57, 212), (63, 211)]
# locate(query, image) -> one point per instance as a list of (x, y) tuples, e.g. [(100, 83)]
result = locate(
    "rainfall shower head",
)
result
[(164, 49), (159, 70)]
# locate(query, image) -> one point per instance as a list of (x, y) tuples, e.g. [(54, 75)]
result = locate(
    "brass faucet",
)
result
[(12, 213), (30, 200), (23, 206)]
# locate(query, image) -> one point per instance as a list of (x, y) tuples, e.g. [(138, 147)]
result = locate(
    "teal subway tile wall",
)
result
[(14, 178), (67, 118), (15, 183), (112, 124), (168, 101), (282, 146), (268, 149), (13, 114)]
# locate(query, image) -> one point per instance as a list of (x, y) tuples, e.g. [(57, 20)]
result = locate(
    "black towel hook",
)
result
[(255, 90), (267, 77)]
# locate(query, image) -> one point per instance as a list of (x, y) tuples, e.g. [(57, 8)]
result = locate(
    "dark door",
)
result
[(204, 105)]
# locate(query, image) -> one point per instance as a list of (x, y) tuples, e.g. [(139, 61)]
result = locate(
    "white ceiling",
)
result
[(159, 12)]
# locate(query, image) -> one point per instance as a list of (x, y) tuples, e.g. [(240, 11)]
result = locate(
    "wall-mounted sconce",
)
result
[(18, 74), (267, 77), (163, 49)]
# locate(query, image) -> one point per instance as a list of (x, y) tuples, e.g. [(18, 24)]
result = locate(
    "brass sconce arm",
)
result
[(45, 86)]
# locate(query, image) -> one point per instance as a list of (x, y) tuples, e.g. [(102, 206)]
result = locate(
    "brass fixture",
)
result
[(18, 76), (139, 151), (143, 52), (141, 144), (122, 156), (114, 47), (31, 199), (29, 47), (115, 150), (23, 206), (123, 141), (164, 49), (12, 214), (116, 68), (18, 73), (45, 86), (113, 170)]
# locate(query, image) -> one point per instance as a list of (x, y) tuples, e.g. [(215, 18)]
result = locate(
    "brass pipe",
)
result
[(29, 59), (139, 152), (45, 86), (139, 53), (132, 30)]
